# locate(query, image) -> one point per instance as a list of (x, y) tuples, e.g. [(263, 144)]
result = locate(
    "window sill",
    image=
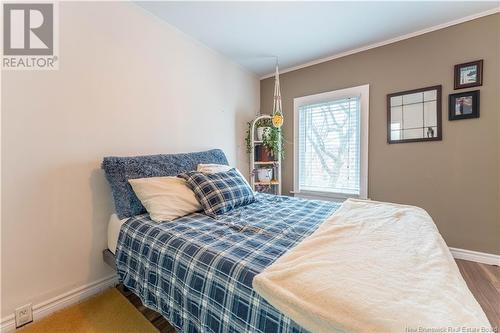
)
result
[(338, 197)]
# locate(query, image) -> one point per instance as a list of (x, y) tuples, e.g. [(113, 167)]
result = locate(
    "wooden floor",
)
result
[(483, 281)]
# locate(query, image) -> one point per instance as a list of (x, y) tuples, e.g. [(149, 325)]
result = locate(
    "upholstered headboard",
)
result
[(119, 169)]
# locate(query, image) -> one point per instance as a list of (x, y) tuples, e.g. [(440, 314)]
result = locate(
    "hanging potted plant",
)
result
[(273, 143)]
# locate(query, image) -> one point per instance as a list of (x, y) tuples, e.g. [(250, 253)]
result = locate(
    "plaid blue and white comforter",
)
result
[(197, 271)]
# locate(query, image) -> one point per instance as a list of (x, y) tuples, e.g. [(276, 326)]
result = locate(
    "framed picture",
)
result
[(464, 105), (414, 115), (469, 74)]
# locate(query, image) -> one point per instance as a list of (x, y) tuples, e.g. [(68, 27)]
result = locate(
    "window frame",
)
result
[(363, 92)]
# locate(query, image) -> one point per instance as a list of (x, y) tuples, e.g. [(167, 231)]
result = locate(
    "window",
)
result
[(331, 144)]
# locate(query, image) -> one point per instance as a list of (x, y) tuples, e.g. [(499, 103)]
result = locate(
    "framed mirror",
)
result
[(414, 115)]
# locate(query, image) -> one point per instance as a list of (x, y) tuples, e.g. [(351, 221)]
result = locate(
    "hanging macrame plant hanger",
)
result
[(277, 117)]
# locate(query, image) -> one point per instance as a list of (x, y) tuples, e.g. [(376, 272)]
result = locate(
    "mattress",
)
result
[(114, 226)]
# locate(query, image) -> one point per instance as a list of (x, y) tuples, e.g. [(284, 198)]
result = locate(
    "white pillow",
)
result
[(165, 198), (215, 168)]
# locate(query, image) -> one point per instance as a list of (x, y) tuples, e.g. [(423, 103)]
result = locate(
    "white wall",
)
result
[(128, 84)]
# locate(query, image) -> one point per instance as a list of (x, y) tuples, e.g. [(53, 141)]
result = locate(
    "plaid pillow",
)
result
[(220, 192)]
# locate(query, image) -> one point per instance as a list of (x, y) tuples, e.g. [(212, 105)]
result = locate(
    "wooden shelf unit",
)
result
[(272, 182), (266, 163), (275, 183)]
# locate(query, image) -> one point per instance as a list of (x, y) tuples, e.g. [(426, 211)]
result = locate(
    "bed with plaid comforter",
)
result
[(197, 271)]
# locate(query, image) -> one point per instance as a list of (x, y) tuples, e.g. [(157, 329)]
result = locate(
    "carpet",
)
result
[(108, 312)]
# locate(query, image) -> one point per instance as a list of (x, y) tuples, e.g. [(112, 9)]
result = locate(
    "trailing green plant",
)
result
[(272, 139)]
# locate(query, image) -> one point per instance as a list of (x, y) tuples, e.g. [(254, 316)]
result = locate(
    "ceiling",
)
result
[(251, 33)]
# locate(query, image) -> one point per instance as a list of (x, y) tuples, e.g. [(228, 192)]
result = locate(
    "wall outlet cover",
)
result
[(24, 315)]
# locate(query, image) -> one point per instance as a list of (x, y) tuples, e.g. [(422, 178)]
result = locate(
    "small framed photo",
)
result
[(469, 74), (464, 105)]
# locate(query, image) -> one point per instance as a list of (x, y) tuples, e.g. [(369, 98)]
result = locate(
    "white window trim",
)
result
[(364, 93)]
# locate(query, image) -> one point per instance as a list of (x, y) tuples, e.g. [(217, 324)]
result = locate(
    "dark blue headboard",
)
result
[(119, 169)]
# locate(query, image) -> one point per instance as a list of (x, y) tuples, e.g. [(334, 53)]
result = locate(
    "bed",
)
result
[(200, 272)]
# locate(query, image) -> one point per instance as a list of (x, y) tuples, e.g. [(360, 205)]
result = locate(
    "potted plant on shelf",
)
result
[(272, 140), (262, 132)]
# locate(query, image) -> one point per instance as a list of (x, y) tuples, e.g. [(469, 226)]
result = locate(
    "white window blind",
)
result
[(329, 146)]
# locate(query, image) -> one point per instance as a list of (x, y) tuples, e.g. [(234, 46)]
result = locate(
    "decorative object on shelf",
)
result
[(414, 115), (265, 155), (464, 105), (264, 175), (277, 118), (264, 188), (469, 74), (262, 154)]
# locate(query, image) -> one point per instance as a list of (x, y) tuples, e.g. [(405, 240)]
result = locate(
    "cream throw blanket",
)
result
[(372, 267)]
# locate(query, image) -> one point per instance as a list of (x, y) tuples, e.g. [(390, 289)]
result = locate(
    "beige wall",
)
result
[(128, 84), (456, 180)]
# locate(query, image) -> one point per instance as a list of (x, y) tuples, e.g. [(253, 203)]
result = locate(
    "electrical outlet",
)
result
[(24, 315)]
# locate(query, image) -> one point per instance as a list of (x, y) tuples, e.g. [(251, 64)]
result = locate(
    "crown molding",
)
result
[(388, 41)]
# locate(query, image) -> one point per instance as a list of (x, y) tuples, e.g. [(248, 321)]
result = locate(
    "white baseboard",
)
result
[(484, 258), (43, 309)]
